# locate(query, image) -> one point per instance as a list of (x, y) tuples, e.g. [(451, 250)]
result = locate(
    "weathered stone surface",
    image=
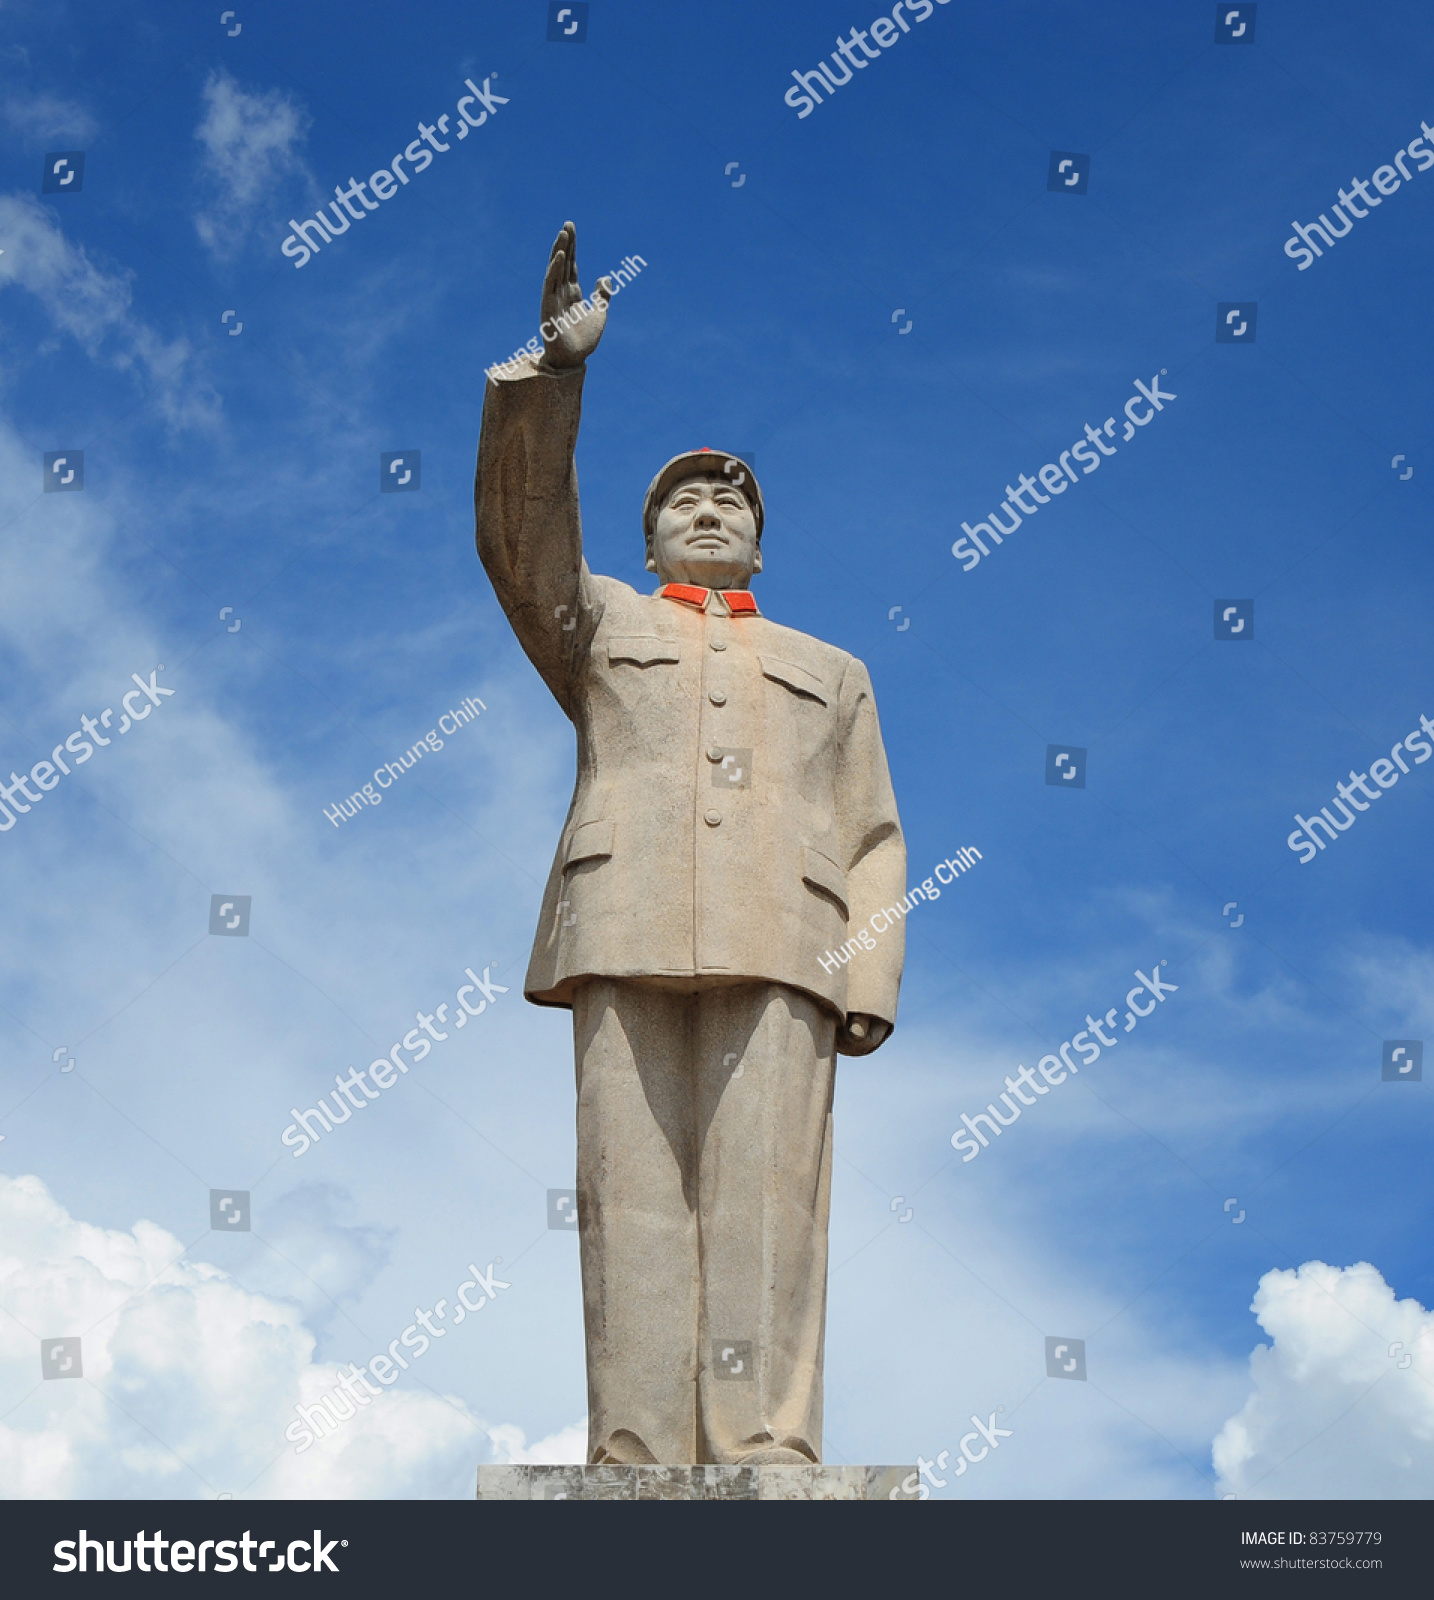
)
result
[(610, 1482)]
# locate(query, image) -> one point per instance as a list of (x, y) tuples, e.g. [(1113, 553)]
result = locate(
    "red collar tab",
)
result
[(740, 602)]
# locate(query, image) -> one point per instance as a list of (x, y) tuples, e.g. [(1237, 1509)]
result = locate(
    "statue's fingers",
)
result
[(556, 272), (604, 288), (572, 234)]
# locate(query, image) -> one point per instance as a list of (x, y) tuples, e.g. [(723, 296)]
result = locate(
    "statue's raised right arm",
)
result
[(525, 492)]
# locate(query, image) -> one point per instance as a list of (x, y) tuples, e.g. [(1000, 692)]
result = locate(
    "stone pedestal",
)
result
[(694, 1483)]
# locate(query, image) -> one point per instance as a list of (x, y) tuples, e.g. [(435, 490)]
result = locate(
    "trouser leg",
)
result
[(763, 1058), (637, 1220)]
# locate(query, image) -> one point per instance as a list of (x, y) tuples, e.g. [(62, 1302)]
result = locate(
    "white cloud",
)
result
[(93, 306), (1333, 1414), (189, 1380), (249, 147), (46, 119), (568, 1446)]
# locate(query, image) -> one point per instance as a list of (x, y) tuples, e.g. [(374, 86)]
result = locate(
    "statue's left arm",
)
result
[(525, 491), (875, 862), (525, 501)]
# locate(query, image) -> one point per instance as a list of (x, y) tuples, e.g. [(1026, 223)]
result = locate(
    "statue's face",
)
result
[(706, 534)]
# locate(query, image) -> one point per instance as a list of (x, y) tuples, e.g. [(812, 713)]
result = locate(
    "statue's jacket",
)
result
[(733, 817)]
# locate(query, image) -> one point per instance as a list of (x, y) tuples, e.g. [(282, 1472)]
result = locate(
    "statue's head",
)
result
[(702, 518)]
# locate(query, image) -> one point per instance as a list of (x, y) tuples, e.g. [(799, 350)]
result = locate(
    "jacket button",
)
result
[(713, 753), (717, 698), (712, 818), (719, 644)]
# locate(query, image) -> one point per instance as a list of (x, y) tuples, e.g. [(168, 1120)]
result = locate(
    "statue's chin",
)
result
[(709, 576)]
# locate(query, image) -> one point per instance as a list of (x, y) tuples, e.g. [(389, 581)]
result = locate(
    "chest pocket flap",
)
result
[(590, 841), (643, 649), (795, 677)]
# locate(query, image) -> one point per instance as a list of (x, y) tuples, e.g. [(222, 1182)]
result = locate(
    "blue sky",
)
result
[(241, 471)]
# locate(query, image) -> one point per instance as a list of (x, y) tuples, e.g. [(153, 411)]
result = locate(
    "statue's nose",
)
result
[(707, 519)]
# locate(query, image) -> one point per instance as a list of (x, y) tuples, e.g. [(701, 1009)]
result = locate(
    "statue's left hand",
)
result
[(860, 1034), (571, 346)]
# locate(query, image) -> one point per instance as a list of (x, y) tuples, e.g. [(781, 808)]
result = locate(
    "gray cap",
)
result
[(704, 463)]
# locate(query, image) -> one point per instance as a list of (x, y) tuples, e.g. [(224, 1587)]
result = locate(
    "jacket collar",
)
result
[(739, 602)]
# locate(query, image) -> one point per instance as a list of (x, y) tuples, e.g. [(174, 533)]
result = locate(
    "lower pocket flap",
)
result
[(825, 874)]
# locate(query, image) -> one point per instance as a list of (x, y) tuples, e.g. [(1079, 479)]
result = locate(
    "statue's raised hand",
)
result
[(570, 346)]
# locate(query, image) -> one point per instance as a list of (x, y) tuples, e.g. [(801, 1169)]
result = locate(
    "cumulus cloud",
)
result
[(567, 1447), (45, 119), (93, 307), (249, 147), (1343, 1401), (189, 1381)]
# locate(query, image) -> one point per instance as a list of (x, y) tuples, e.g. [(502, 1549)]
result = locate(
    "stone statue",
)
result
[(732, 816)]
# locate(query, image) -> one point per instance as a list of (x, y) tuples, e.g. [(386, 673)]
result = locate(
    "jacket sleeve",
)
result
[(525, 501), (874, 847)]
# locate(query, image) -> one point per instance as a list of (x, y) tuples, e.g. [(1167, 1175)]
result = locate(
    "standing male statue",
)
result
[(732, 815)]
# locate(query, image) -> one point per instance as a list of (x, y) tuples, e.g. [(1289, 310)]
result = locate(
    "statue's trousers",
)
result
[(704, 1182)]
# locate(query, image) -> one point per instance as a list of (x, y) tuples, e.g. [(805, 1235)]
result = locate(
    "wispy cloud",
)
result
[(44, 119), (94, 307), (250, 144)]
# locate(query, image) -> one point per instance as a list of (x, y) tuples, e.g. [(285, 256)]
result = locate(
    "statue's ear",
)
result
[(757, 558), (651, 562)]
